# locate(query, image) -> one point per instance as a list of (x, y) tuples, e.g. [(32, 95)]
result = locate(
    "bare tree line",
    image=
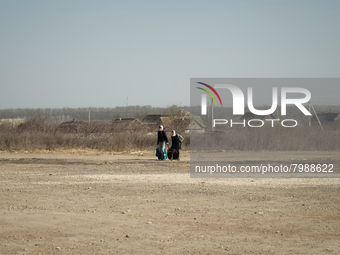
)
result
[(136, 111), (96, 113)]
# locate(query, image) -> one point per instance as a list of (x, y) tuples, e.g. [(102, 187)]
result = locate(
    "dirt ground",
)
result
[(88, 203)]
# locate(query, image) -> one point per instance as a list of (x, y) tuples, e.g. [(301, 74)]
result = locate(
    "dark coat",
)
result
[(162, 137), (175, 142)]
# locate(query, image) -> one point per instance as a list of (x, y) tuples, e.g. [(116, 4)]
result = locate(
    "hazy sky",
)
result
[(98, 53)]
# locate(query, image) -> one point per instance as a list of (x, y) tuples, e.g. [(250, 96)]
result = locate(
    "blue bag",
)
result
[(160, 156)]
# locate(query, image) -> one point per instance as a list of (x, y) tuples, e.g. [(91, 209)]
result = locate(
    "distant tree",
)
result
[(174, 112), (116, 116)]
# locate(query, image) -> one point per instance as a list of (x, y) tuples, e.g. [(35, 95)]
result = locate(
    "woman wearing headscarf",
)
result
[(161, 140), (174, 144)]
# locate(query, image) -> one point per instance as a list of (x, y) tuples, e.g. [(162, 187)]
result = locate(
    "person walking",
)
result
[(175, 144), (161, 140)]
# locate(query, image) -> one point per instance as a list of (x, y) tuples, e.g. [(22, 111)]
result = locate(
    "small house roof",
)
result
[(152, 118)]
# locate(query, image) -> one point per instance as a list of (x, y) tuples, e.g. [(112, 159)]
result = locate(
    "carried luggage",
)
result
[(175, 156), (181, 139), (159, 154)]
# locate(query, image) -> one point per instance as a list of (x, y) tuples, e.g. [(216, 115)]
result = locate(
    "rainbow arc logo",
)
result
[(209, 93), (204, 97)]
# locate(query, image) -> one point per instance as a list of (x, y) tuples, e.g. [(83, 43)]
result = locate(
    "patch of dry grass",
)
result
[(41, 135)]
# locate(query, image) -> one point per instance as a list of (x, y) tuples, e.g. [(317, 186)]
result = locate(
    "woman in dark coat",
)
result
[(175, 144), (161, 140)]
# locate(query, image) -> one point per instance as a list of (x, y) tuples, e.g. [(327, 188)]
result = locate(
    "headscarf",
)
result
[(161, 127)]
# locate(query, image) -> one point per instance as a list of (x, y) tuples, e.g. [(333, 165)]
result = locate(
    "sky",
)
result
[(84, 53)]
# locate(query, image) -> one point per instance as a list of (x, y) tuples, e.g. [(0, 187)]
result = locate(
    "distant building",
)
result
[(196, 125), (12, 122)]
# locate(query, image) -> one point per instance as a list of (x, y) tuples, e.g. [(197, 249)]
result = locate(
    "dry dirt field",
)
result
[(87, 203)]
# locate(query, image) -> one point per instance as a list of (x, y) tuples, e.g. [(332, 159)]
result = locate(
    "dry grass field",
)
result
[(98, 203)]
